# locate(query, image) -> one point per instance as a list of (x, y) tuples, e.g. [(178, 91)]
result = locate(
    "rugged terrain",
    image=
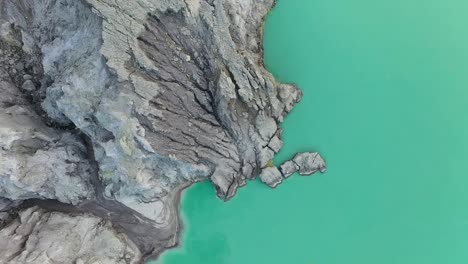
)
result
[(110, 108)]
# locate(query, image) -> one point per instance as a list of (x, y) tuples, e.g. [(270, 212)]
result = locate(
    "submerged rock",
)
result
[(116, 106)]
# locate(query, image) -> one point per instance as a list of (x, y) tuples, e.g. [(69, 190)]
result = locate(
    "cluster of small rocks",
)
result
[(21, 68), (306, 163)]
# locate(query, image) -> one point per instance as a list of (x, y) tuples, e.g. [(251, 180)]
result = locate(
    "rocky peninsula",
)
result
[(110, 108)]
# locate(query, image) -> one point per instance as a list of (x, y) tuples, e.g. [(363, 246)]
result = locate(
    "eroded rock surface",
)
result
[(36, 161), (38, 236), (271, 176), (306, 163), (109, 108)]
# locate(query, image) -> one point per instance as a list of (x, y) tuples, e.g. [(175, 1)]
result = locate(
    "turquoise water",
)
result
[(386, 102)]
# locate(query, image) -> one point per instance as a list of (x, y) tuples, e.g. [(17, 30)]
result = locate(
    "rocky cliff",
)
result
[(110, 108)]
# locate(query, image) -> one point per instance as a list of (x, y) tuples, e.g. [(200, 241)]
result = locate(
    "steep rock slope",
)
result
[(113, 107)]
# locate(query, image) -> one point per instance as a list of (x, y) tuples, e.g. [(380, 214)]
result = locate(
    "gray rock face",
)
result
[(7, 210), (111, 107), (37, 161), (38, 236), (289, 168)]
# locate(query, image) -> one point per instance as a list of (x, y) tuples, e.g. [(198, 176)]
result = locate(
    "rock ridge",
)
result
[(110, 108)]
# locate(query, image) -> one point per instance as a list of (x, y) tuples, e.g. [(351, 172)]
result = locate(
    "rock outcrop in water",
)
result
[(306, 163), (108, 109)]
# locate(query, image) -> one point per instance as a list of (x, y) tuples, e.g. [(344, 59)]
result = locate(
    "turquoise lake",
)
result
[(386, 103)]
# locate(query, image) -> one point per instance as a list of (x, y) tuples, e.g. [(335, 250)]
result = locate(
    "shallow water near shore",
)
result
[(386, 102)]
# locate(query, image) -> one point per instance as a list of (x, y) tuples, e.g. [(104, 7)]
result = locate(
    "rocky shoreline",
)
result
[(110, 108)]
